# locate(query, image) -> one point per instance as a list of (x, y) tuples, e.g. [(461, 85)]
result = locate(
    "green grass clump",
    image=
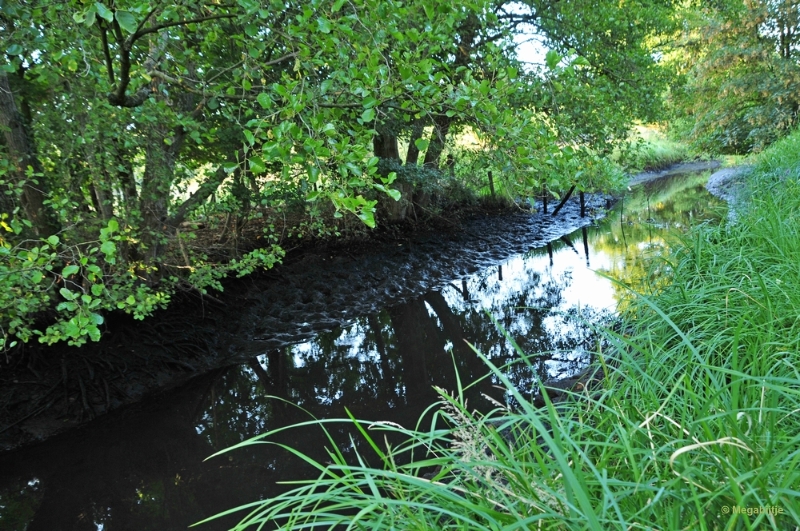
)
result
[(694, 423)]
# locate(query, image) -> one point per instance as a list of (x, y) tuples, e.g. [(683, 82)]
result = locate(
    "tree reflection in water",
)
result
[(142, 467)]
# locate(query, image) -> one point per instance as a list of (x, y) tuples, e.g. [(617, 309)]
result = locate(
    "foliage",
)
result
[(601, 68), (738, 64), (90, 282), (692, 424)]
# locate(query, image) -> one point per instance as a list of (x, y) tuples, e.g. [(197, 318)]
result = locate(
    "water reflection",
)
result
[(142, 467)]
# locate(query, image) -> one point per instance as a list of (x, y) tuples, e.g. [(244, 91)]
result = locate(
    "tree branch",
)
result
[(208, 187), (107, 53), (118, 97), (154, 29)]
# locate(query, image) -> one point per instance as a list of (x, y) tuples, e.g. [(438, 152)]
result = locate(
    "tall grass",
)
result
[(694, 423), (650, 149)]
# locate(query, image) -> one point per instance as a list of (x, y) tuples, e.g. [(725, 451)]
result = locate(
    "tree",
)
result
[(739, 74)]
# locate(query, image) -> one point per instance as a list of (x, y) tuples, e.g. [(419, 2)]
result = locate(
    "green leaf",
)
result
[(368, 217), (324, 25), (72, 329), (552, 59), (53, 240), (113, 225), (90, 16), (257, 165), (264, 100), (421, 143), (368, 115), (325, 86), (108, 248), (14, 49), (96, 318), (94, 332), (103, 12), (70, 270), (131, 299), (394, 194), (126, 21), (67, 294), (97, 289), (329, 129)]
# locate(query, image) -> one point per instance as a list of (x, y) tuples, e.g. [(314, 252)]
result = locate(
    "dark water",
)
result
[(142, 467)]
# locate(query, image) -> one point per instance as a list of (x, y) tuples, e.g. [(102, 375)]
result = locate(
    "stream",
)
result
[(378, 353)]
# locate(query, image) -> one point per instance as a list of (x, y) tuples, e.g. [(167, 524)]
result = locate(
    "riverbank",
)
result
[(693, 425), (729, 184), (46, 390), (321, 286)]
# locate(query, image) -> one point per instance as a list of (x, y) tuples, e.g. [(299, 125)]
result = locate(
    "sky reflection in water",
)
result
[(142, 468)]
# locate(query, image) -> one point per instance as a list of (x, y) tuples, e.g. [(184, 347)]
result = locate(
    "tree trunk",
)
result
[(103, 201), (384, 144), (22, 154), (441, 127), (159, 173), (126, 180), (99, 188), (412, 157)]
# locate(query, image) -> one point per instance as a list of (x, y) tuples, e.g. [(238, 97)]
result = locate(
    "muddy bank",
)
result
[(46, 390), (728, 185)]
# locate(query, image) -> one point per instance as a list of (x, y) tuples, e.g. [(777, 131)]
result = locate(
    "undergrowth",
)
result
[(652, 150)]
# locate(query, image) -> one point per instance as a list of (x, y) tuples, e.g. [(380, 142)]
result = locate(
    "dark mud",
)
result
[(46, 390)]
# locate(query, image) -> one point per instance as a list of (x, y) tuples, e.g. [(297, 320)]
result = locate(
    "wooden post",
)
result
[(491, 184), (585, 234), (583, 205), (544, 199), (564, 201)]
